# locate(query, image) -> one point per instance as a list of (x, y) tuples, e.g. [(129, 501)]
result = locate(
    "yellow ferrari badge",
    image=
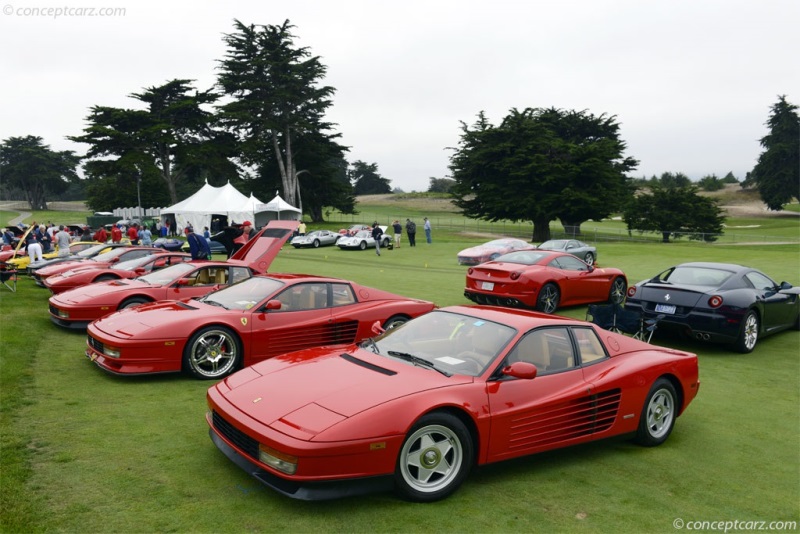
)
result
[(244, 321)]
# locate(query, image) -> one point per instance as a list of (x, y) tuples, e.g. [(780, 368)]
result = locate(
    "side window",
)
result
[(760, 281), (589, 346), (571, 263), (304, 297), (203, 278), (239, 274), (342, 294), (549, 349)]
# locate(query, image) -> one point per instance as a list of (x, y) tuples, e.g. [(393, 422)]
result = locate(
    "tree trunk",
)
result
[(541, 230), (571, 228), (316, 214), (665, 237)]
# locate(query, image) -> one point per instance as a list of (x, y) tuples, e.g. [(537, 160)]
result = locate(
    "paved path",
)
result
[(19, 218)]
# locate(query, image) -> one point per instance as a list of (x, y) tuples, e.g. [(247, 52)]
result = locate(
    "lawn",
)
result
[(83, 451)]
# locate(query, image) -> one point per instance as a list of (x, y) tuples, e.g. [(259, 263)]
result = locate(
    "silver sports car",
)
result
[(579, 249), (317, 238)]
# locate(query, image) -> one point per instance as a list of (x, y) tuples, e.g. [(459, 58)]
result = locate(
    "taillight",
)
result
[(515, 275), (631, 291), (715, 301)]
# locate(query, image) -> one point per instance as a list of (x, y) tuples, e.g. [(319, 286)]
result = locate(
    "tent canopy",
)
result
[(277, 208), (214, 207)]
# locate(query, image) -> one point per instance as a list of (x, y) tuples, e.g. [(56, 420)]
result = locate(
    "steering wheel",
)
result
[(472, 362)]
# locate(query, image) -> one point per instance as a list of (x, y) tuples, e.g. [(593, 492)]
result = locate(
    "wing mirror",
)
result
[(524, 370), (785, 285), (274, 304), (377, 329)]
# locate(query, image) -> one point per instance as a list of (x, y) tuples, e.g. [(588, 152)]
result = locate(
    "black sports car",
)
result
[(719, 302)]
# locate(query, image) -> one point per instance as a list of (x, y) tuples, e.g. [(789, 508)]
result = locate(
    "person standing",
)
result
[(248, 231), (62, 239), (146, 236), (116, 234), (206, 233), (133, 234), (377, 233), (101, 235), (301, 229), (398, 232), (427, 230), (411, 230), (198, 246), (32, 246)]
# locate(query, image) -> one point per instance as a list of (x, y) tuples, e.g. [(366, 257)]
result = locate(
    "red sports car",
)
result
[(104, 260), (245, 323), (83, 274), (491, 250), (78, 307), (543, 280), (418, 407)]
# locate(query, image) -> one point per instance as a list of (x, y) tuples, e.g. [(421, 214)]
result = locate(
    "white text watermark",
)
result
[(733, 525), (54, 12)]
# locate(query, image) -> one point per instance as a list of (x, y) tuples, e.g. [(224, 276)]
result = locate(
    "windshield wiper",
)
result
[(417, 361), (371, 341), (212, 303)]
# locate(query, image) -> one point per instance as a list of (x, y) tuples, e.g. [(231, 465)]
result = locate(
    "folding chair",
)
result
[(616, 318), (8, 276)]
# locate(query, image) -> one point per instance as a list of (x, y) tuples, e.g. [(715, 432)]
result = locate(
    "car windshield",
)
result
[(244, 295), (91, 251), (451, 342), (110, 255), (697, 276), (523, 257), (130, 265), (168, 274), (498, 243), (363, 233), (554, 243)]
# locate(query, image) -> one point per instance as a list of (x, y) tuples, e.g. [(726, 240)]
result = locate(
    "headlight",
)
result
[(63, 314), (285, 463), (111, 352)]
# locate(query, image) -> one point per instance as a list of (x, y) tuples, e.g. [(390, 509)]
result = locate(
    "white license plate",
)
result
[(665, 308), (487, 286)]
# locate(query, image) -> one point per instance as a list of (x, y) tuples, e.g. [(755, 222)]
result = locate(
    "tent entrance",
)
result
[(218, 222)]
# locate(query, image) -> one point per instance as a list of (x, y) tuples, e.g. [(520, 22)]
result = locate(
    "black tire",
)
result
[(548, 299), (363, 245), (616, 295), (588, 258), (212, 353), (394, 321), (748, 333), (658, 414), (435, 458), (316, 243), (130, 303)]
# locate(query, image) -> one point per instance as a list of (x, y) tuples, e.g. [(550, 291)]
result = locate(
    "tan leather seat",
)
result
[(221, 276), (203, 278)]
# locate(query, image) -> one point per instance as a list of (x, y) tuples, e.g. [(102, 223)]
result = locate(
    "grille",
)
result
[(242, 441), (96, 345), (588, 415), (53, 310)]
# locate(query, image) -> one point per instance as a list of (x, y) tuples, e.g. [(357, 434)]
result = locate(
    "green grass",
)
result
[(83, 451)]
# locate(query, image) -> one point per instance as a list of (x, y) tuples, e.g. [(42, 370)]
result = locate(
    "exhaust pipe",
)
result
[(703, 336)]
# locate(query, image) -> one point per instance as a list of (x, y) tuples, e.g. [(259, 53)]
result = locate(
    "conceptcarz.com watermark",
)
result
[(733, 525), (62, 11)]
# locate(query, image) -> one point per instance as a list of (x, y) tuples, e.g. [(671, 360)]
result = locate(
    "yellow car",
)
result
[(21, 262)]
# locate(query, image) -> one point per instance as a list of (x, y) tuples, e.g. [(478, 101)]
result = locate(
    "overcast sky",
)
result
[(690, 81)]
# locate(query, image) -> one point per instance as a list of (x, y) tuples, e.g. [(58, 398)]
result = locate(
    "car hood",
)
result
[(100, 291), (269, 393), (687, 296), (261, 250), (156, 320)]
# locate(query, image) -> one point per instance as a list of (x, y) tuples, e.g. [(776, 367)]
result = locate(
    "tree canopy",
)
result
[(274, 97), (675, 210), (366, 180), (540, 165), (32, 167), (777, 172), (172, 141)]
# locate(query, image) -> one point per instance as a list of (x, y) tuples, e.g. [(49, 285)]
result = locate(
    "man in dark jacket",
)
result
[(411, 230), (377, 233)]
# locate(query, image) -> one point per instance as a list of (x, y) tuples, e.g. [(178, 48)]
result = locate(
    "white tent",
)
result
[(215, 207), (275, 209)]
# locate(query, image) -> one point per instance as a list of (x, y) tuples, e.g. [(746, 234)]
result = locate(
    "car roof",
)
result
[(714, 265), (518, 318)]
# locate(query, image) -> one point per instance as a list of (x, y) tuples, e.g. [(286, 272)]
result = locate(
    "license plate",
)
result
[(665, 308), (487, 286)]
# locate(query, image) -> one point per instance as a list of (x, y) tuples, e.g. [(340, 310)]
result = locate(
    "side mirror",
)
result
[(524, 370), (785, 285), (377, 329), (274, 305), (140, 270), (184, 282)]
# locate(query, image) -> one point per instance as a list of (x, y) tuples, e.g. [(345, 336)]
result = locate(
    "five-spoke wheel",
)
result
[(748, 334), (658, 415), (617, 292), (435, 458), (212, 353), (548, 298)]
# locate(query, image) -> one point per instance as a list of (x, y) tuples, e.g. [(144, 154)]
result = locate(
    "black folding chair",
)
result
[(8, 276), (616, 318)]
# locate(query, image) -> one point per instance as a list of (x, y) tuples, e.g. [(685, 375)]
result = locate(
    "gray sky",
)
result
[(690, 81)]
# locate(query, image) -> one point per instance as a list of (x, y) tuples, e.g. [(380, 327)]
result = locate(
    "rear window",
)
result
[(698, 276)]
